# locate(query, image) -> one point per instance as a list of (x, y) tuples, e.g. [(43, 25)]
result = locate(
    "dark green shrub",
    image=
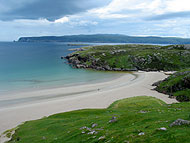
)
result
[(183, 96)]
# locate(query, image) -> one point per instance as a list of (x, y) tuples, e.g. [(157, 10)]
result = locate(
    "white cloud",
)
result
[(139, 8), (126, 8), (86, 23), (178, 5), (62, 20), (113, 16)]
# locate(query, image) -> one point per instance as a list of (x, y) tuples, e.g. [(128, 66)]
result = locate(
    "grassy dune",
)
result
[(134, 120)]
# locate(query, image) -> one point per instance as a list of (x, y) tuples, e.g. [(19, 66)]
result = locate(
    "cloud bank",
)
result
[(67, 17), (47, 9)]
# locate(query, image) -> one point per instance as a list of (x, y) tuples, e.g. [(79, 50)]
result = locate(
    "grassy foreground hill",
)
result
[(133, 120), (132, 57), (176, 85)]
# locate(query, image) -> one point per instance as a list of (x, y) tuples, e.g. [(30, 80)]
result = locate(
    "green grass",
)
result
[(65, 127), (141, 57)]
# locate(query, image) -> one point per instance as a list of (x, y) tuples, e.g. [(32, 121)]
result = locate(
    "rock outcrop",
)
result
[(77, 61), (180, 122)]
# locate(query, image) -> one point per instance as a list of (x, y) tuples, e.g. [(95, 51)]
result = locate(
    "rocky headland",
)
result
[(176, 85), (132, 58)]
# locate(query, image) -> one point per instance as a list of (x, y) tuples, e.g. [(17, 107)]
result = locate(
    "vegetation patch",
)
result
[(176, 85), (133, 120)]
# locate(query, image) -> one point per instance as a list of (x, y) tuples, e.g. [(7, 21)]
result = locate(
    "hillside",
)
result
[(176, 85), (132, 58), (133, 120), (107, 38)]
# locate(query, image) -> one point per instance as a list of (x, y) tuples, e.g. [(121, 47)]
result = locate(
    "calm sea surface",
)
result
[(31, 66)]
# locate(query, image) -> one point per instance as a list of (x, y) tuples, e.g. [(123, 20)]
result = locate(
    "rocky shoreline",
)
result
[(78, 62), (157, 58), (176, 86)]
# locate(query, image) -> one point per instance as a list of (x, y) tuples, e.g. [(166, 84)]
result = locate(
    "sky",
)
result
[(19, 18)]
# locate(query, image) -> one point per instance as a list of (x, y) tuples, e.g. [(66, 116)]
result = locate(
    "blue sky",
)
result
[(67, 17)]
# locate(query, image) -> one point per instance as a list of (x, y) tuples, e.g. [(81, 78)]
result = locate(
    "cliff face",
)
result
[(132, 58)]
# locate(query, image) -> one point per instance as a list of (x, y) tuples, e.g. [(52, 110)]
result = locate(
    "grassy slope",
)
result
[(141, 57), (65, 127), (177, 85)]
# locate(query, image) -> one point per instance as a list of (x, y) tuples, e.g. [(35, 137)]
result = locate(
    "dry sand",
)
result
[(18, 108)]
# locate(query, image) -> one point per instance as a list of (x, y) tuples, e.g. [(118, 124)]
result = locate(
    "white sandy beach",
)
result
[(18, 108)]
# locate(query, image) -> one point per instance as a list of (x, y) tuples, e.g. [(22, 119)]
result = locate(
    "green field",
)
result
[(138, 120)]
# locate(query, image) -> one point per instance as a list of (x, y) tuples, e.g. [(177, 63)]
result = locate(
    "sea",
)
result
[(33, 66)]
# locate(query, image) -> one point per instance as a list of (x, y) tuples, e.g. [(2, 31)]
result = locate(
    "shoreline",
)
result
[(64, 91), (116, 75), (100, 95)]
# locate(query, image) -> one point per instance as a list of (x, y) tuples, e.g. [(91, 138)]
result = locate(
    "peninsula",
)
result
[(132, 57), (107, 38)]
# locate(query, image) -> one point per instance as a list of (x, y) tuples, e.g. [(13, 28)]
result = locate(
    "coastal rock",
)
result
[(117, 69), (92, 132), (114, 119), (143, 112), (80, 66), (180, 122), (103, 54), (82, 128), (43, 138), (162, 129), (108, 68), (94, 125), (157, 83), (77, 49), (141, 134), (88, 129), (187, 46), (102, 138)]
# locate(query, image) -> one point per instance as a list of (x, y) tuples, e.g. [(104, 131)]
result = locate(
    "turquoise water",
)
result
[(31, 66)]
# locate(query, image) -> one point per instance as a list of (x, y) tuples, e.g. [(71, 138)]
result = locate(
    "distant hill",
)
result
[(107, 38)]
